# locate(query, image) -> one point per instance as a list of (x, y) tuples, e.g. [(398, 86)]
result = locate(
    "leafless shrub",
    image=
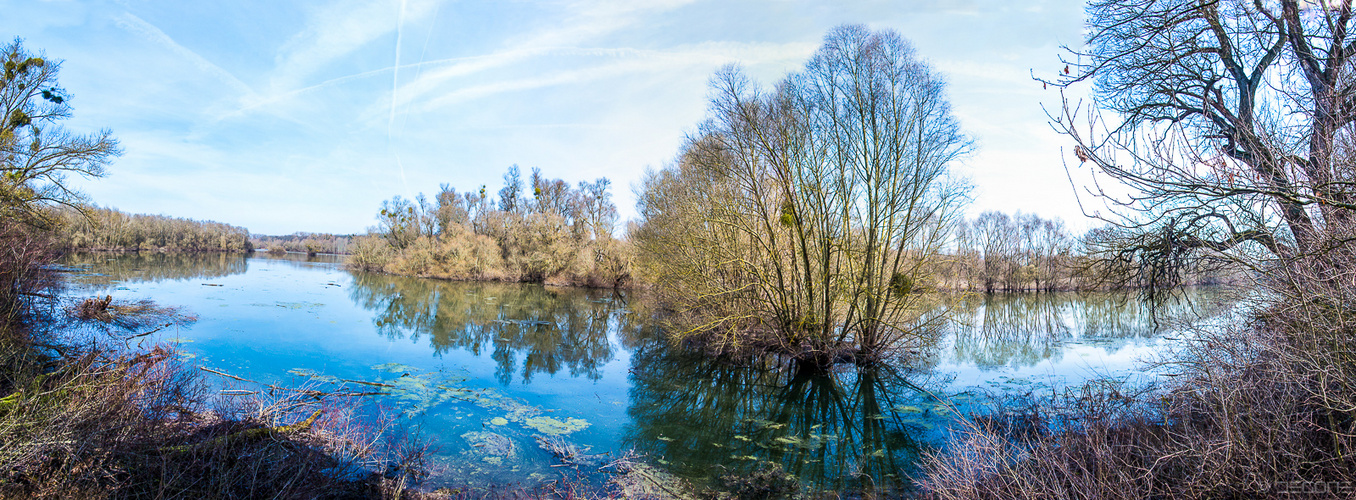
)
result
[(27, 282), (138, 424)]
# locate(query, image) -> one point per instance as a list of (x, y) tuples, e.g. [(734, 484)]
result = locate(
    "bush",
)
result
[(368, 253), (560, 236), (84, 416), (137, 424)]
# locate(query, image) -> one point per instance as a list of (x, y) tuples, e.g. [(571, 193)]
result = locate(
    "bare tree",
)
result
[(808, 217), (510, 197), (452, 208), (36, 154), (596, 207), (399, 221), (993, 232), (1230, 132)]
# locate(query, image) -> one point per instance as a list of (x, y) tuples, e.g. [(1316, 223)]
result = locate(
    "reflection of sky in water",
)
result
[(493, 365), (284, 315), (1023, 342), (1071, 364)]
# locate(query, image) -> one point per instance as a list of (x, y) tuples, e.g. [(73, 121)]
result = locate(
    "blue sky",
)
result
[(303, 116)]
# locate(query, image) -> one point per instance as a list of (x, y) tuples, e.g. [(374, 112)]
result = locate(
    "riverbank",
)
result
[(92, 405), (1258, 405)]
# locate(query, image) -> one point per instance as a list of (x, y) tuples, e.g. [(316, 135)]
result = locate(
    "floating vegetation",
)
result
[(489, 447), (394, 367), (303, 372), (417, 392), (553, 427), (765, 424), (298, 305)]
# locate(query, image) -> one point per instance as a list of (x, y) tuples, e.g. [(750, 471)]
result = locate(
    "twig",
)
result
[(227, 375), (375, 384), (249, 434), (161, 327)]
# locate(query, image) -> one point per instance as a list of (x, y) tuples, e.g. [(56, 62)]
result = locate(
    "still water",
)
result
[(485, 371)]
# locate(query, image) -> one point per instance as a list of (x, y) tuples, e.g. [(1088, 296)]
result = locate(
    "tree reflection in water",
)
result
[(149, 267), (850, 430), (1026, 329), (548, 328)]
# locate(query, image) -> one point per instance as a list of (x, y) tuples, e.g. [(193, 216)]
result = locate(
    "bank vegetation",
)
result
[(93, 228), (537, 230), (1000, 253), (311, 244)]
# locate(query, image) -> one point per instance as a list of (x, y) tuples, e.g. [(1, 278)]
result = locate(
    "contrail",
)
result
[(419, 67), (395, 85)]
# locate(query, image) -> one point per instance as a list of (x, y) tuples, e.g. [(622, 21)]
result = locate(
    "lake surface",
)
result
[(486, 371)]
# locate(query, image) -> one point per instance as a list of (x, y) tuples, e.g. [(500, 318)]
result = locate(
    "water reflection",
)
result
[(1023, 330), (850, 430), (550, 329), (704, 418), (149, 267), (302, 259)]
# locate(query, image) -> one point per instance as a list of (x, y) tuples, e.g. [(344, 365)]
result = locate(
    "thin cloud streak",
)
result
[(635, 61), (147, 31), (395, 87)]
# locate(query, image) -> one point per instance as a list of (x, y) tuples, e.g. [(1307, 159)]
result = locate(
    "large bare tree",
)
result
[(1227, 126), (807, 217)]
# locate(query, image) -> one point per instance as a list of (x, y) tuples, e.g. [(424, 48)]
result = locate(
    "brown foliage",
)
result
[(560, 236)]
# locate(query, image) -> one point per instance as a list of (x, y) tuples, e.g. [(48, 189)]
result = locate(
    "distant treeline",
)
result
[(542, 230), (997, 252), (1023, 252), (108, 229), (149, 267), (301, 242)]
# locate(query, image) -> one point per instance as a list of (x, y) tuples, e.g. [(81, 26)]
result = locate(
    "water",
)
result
[(486, 370)]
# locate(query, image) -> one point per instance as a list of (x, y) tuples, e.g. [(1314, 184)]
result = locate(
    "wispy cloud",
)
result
[(335, 32), (331, 116), (436, 90), (146, 30)]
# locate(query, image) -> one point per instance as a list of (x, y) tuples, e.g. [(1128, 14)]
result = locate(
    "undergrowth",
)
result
[(1261, 405), (87, 410)]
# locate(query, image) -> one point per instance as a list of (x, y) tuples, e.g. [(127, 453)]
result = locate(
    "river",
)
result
[(487, 371)]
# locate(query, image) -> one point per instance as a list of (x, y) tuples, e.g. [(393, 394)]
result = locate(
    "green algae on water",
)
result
[(554, 427)]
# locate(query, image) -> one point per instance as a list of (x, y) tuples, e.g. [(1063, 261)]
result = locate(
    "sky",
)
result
[(285, 116)]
